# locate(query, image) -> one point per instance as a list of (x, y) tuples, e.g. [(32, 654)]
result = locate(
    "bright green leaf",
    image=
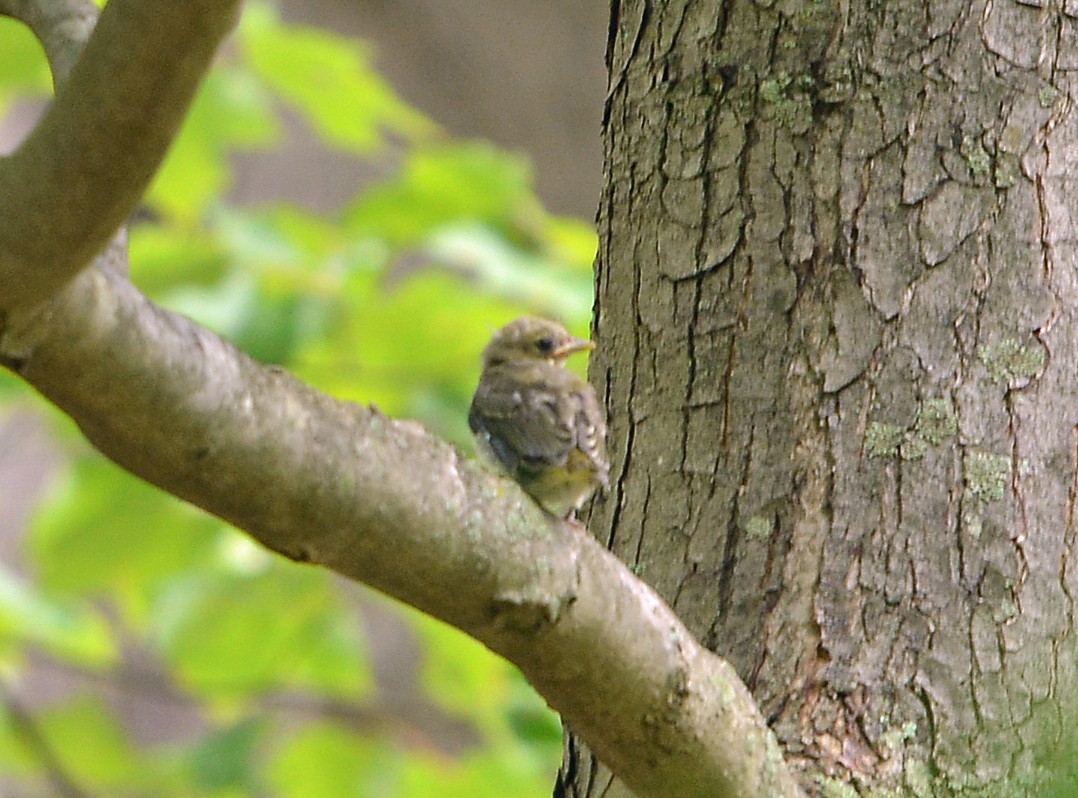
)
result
[(328, 79), (572, 242), (25, 71), (329, 762), (90, 745), (445, 184), (283, 286), (460, 674), (230, 113), (412, 348), (500, 269), (73, 632), (489, 774), (233, 635), (165, 256), (106, 531)]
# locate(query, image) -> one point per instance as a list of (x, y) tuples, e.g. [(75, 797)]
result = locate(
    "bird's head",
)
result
[(532, 339)]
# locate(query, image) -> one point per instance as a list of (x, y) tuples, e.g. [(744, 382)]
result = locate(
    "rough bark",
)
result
[(837, 291), (324, 481)]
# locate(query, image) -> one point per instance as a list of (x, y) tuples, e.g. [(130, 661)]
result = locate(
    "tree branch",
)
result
[(26, 730), (62, 27), (75, 179), (382, 502), (323, 481)]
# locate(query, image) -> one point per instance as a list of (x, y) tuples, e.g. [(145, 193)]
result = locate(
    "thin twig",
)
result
[(418, 723), (27, 731)]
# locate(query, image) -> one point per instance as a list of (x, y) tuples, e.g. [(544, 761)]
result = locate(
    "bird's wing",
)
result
[(528, 417), (589, 432)]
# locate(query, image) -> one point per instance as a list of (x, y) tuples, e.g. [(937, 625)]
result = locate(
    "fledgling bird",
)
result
[(537, 421)]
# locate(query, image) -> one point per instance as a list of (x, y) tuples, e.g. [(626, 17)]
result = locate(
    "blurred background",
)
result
[(362, 193)]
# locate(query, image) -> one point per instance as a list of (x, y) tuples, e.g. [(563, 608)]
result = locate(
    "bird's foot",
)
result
[(575, 522)]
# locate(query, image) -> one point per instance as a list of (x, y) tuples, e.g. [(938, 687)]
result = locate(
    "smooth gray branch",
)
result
[(83, 169)]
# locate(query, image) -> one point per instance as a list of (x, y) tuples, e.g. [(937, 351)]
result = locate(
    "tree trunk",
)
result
[(837, 336)]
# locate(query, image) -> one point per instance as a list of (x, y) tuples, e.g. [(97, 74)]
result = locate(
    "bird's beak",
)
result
[(571, 346)]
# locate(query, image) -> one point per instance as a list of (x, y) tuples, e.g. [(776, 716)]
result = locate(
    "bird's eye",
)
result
[(546, 345)]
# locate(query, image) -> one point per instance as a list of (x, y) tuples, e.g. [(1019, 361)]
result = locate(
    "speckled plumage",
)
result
[(536, 420)]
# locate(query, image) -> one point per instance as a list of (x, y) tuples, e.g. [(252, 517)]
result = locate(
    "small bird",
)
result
[(537, 421)]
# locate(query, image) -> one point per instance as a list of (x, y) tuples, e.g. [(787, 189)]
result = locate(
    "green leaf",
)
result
[(412, 348), (487, 774), (231, 112), (500, 269), (165, 256), (226, 759), (92, 748), (268, 325), (16, 757), (10, 386), (223, 307), (64, 628), (106, 531), (571, 243), (531, 720), (523, 736), (230, 634), (330, 762), (281, 286), (461, 675), (329, 80), (448, 183), (25, 71)]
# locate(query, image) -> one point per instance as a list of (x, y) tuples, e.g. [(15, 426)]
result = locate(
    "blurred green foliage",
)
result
[(390, 302)]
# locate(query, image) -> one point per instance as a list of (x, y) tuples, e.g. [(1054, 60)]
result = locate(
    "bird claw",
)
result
[(575, 523)]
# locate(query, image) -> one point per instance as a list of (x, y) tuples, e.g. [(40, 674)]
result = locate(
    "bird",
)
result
[(537, 421)]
